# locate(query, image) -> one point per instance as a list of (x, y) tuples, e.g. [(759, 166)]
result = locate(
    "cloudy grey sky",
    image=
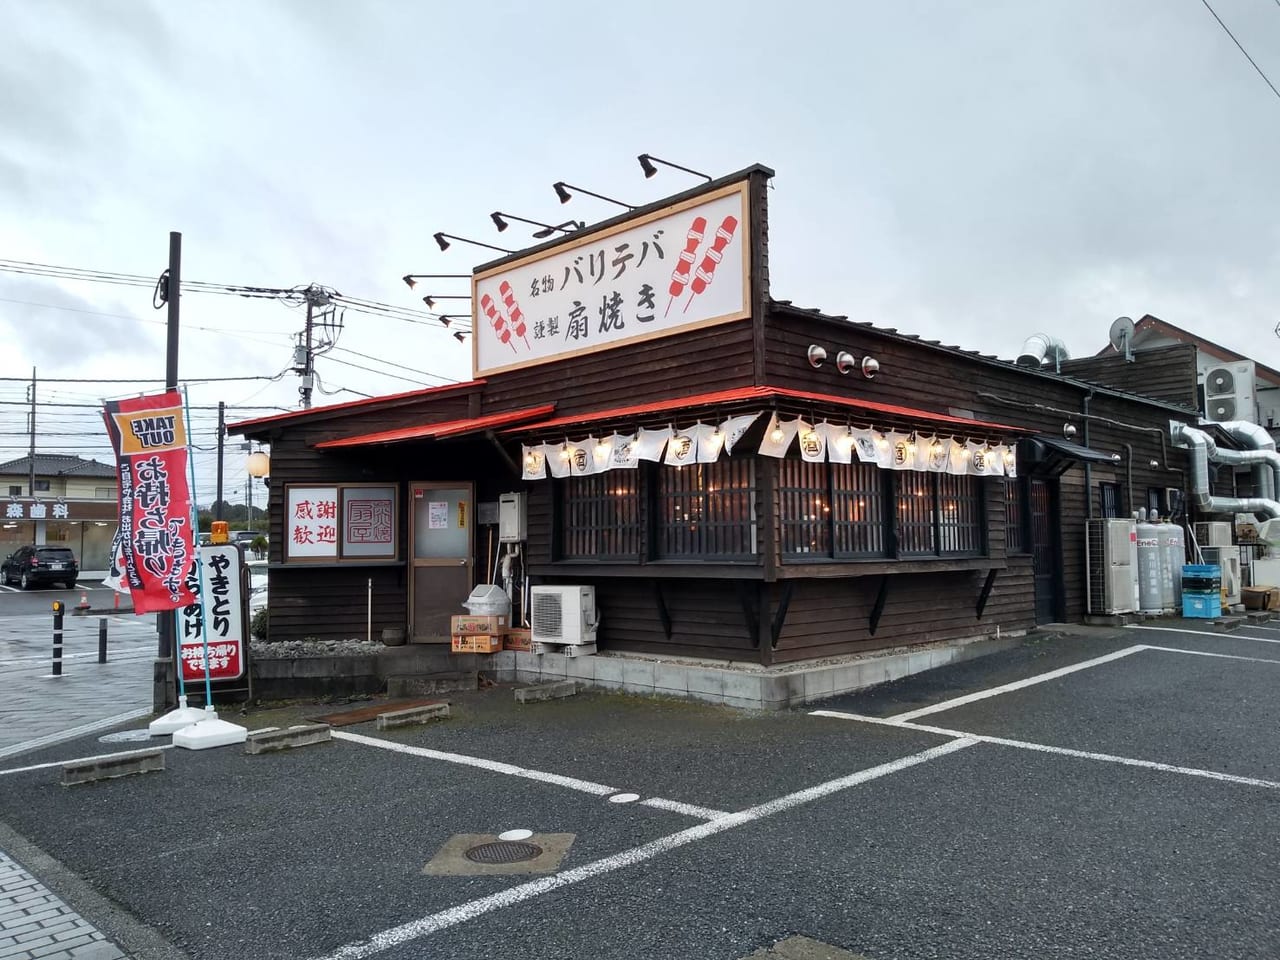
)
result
[(970, 171)]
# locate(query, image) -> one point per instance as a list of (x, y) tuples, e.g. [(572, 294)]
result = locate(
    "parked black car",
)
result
[(32, 566)]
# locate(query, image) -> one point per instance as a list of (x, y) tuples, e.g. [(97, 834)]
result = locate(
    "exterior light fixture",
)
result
[(411, 279), (258, 465), (870, 367), (1153, 464), (1069, 430), (845, 361), (430, 301), (562, 191), (647, 161), (816, 355), (442, 239), (500, 221)]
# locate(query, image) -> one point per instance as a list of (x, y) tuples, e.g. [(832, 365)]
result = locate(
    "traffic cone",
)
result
[(84, 601)]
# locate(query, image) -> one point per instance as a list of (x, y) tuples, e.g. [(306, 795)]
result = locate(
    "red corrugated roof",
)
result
[(352, 404), (764, 393), (440, 431)]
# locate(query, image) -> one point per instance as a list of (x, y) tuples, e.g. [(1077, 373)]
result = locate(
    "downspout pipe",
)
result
[(1266, 471), (1202, 449)]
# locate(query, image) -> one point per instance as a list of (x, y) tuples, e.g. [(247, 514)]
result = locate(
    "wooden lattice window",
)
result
[(706, 511), (600, 517), (832, 510)]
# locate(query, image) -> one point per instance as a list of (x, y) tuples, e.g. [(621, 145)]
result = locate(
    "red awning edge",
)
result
[(764, 393), (439, 431)]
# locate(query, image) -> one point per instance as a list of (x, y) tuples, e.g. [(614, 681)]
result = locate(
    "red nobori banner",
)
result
[(156, 539)]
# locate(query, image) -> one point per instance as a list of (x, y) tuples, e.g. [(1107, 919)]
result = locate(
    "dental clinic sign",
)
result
[(674, 269)]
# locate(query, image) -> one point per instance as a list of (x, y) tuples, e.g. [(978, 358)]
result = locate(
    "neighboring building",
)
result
[(73, 503), (786, 547), (1227, 385)]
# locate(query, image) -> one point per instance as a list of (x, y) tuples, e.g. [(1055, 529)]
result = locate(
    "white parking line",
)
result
[(493, 766), (1234, 634), (1046, 748), (511, 770), (1209, 653), (1016, 685), (434, 923), (51, 739), (687, 809)]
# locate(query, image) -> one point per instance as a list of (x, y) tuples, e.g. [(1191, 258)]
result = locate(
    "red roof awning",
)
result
[(280, 418), (741, 394), (440, 431)]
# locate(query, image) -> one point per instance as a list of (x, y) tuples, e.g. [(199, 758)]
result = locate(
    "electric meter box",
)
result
[(511, 518)]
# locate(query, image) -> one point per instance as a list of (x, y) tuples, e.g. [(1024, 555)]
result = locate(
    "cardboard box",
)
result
[(476, 643), (489, 624), (517, 639)]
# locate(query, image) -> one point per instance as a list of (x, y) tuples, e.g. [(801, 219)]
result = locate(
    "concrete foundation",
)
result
[(748, 686)]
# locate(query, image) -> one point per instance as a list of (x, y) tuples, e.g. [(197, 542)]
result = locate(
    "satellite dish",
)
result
[(1121, 336)]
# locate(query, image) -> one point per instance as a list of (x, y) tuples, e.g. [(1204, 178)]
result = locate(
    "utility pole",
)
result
[(166, 622), (222, 430), (305, 355), (31, 475)]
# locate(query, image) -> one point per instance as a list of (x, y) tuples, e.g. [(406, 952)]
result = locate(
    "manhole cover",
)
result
[(126, 736), (503, 851)]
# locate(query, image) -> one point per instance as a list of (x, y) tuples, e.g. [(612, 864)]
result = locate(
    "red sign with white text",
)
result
[(155, 538), (225, 662)]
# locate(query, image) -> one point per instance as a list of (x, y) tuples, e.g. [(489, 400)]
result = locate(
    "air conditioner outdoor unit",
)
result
[(1113, 566), (564, 615), (1228, 391), (1213, 534)]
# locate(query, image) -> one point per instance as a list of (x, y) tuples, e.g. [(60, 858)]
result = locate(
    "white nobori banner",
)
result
[(681, 267)]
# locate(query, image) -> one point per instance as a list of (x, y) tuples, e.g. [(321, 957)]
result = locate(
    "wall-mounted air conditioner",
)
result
[(1228, 389), (564, 615), (1213, 534)]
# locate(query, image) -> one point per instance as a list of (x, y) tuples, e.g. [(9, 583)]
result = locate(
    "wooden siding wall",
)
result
[(711, 358), (913, 374), (329, 601), (1164, 373)]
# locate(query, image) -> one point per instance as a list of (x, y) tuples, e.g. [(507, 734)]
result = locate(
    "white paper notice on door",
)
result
[(438, 515)]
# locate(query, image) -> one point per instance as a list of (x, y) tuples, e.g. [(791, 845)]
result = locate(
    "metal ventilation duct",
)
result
[(1040, 349), (1202, 450)]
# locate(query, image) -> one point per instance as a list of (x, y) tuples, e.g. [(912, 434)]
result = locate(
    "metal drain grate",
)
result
[(503, 851)]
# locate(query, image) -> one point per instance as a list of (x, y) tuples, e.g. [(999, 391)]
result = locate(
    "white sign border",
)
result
[(742, 188)]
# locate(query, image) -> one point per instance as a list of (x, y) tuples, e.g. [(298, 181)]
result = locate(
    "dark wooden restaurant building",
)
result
[(739, 478)]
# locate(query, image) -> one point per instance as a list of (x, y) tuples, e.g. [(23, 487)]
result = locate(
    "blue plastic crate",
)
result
[(1201, 570), (1200, 606)]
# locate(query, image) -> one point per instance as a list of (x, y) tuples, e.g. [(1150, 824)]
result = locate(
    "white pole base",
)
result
[(175, 720), (210, 732)]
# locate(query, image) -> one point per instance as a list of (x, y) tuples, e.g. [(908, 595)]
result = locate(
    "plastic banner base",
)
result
[(210, 732), (175, 720)]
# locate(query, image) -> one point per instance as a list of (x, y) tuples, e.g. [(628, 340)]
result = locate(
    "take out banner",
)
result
[(155, 541)]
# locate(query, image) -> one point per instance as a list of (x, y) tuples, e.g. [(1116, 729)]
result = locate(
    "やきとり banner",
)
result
[(155, 544)]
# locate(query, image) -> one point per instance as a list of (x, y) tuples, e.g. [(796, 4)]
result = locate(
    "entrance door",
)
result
[(440, 527), (1046, 550)]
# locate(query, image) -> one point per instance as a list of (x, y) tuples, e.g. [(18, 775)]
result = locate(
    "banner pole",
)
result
[(195, 539)]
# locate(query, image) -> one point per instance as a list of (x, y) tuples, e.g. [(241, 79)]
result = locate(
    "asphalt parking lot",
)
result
[(1102, 793)]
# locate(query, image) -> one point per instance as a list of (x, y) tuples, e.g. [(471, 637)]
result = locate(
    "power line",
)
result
[(1241, 46), (294, 296)]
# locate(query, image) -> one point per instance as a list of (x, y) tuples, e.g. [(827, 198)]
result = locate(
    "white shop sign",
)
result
[(675, 269)]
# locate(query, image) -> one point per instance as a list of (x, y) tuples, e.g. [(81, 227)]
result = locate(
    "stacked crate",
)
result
[(1202, 590)]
